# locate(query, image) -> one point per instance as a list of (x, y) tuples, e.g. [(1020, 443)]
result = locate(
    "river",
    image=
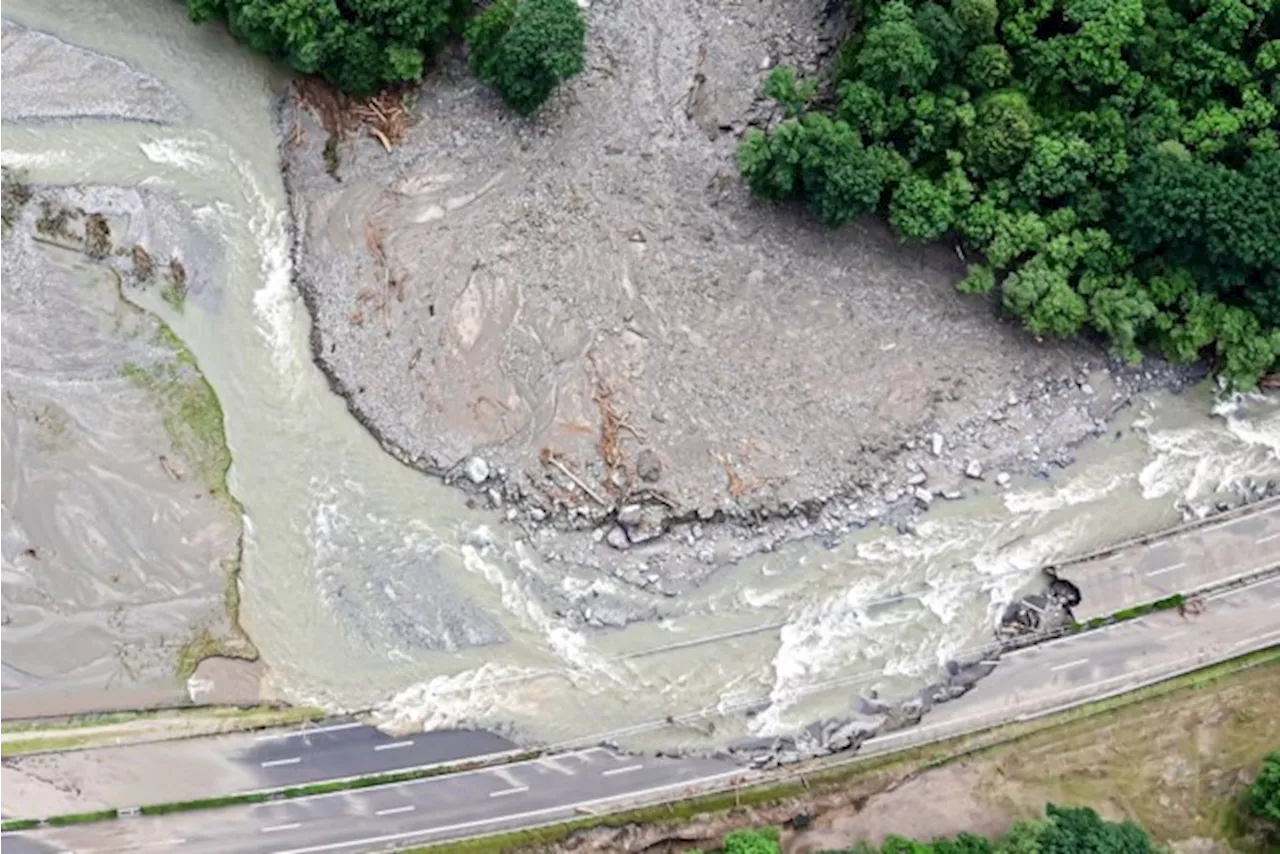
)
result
[(366, 584)]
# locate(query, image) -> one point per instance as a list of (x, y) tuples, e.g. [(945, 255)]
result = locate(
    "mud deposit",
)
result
[(120, 540), (587, 315)]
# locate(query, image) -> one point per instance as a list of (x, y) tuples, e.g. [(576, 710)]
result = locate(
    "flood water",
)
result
[(368, 584)]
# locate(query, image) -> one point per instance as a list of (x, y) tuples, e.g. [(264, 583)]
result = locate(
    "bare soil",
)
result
[(591, 303)]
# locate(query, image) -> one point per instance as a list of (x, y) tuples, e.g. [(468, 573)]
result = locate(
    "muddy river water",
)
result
[(366, 584)]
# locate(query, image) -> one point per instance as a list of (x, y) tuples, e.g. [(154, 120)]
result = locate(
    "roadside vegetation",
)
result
[(1063, 830), (524, 48), (1105, 167)]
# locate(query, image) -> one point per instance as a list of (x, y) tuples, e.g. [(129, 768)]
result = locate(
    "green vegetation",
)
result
[(1064, 830), (15, 192), (1112, 167), (191, 413), (360, 46), (81, 817), (525, 48), (174, 291), (1264, 794)]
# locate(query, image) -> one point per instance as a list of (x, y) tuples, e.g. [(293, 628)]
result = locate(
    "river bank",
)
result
[(585, 323), (369, 585)]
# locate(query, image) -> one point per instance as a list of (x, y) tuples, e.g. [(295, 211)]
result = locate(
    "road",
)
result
[(432, 809), (188, 769), (1027, 683), (1193, 559)]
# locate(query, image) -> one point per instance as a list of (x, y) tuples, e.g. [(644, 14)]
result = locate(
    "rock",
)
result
[(973, 469), (923, 495), (495, 497), (476, 470), (917, 478), (952, 494), (1002, 478), (617, 538), (1086, 388), (648, 466), (936, 446)]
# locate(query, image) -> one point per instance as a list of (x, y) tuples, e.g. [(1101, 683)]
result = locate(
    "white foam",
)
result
[(182, 153), (1086, 488)]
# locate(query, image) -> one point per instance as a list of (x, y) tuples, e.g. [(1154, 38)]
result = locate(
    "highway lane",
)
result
[(348, 748), (437, 808), (1109, 660), (1187, 561)]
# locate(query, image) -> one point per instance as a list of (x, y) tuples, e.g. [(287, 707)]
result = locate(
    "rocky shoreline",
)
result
[(614, 500)]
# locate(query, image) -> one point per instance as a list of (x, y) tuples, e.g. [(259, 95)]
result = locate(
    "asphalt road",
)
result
[(347, 749), (1203, 556), (420, 811)]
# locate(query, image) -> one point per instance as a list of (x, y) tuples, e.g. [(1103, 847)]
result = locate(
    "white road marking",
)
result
[(278, 827), (395, 745), (514, 790), (1069, 664), (292, 733), (550, 763), (274, 762), (1170, 568), (131, 847), (627, 770), (468, 825), (396, 810), (1174, 635), (1268, 538), (1255, 638)]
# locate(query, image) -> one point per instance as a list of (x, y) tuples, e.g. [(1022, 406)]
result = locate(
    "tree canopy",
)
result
[(360, 46), (1113, 165), (525, 48), (1264, 793)]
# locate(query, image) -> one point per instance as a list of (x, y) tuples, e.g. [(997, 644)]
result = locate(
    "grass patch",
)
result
[(19, 824), (17, 747), (81, 817), (191, 415)]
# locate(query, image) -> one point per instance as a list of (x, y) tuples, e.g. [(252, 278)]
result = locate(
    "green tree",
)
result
[(921, 210), (359, 46), (1069, 830), (977, 18), (1003, 132), (543, 44), (988, 66), (895, 56), (1264, 792)]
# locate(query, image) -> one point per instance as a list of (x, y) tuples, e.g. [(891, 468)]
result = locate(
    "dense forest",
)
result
[(524, 48), (1106, 165)]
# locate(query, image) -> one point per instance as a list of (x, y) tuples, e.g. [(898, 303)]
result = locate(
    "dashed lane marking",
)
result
[(625, 770), (395, 745), (514, 790), (1069, 664), (396, 810), (276, 828), (1169, 568), (274, 763)]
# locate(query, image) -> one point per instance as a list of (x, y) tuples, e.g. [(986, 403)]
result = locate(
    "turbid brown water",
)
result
[(366, 583)]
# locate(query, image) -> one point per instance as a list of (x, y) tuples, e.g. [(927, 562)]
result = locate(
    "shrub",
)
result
[(525, 48)]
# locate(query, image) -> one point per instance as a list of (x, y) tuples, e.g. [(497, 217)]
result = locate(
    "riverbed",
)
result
[(367, 584)]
